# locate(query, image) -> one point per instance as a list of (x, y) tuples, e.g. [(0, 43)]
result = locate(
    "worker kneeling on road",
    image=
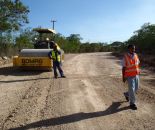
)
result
[(130, 72), (55, 55)]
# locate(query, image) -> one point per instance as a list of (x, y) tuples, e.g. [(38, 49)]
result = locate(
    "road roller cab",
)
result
[(38, 58), (43, 40)]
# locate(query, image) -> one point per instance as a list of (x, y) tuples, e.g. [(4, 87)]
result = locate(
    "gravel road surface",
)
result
[(90, 98)]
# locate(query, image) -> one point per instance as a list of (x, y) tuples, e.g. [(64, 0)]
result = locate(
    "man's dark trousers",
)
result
[(56, 65)]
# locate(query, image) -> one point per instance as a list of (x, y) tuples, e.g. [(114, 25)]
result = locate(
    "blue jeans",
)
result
[(133, 85), (57, 65)]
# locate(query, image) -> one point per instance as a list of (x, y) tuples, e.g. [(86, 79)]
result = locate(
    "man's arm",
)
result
[(123, 70), (139, 63), (123, 74), (59, 52), (50, 55)]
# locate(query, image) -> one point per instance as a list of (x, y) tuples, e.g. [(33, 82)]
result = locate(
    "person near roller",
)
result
[(55, 55), (130, 73)]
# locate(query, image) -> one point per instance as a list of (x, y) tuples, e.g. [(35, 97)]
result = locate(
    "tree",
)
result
[(6, 45), (13, 14), (117, 46), (25, 39), (74, 42), (144, 38)]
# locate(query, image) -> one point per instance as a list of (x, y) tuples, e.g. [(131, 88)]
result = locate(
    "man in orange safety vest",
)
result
[(130, 73)]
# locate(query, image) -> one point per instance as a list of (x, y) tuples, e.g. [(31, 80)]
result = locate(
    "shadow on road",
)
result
[(114, 108), (11, 81), (17, 72)]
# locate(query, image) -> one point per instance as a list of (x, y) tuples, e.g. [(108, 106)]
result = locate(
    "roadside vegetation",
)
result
[(14, 37), (144, 40)]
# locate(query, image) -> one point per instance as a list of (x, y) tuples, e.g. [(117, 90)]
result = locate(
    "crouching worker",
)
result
[(55, 55)]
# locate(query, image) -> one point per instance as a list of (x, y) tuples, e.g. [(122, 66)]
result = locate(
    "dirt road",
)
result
[(90, 98)]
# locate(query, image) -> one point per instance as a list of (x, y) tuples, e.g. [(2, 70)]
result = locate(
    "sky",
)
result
[(95, 20)]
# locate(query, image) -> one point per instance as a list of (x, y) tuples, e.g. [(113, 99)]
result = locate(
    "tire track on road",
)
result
[(26, 106)]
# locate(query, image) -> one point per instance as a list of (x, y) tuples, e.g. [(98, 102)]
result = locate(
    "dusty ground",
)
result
[(90, 98)]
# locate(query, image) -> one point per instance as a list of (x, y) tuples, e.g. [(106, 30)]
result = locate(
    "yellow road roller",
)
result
[(37, 58)]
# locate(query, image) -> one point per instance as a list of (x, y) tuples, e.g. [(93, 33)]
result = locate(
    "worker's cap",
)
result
[(131, 46), (52, 42)]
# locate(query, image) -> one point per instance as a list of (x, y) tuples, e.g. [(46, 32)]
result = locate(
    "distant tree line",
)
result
[(143, 39), (13, 15), (72, 44)]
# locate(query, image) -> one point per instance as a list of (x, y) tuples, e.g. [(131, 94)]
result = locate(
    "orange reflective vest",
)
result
[(131, 65)]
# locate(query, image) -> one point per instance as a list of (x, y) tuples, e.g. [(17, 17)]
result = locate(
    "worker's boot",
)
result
[(63, 76), (55, 76), (133, 106)]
